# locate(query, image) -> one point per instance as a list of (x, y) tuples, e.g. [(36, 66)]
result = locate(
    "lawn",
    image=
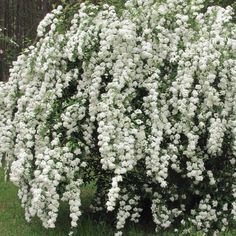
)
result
[(12, 222)]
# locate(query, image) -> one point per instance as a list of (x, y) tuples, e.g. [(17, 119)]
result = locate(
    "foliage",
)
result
[(12, 223), (12, 48), (141, 101)]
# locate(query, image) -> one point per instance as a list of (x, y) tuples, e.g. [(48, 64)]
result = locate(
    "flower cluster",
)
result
[(144, 99)]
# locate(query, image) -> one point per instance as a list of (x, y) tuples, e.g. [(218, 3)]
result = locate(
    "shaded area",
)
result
[(18, 23), (12, 222)]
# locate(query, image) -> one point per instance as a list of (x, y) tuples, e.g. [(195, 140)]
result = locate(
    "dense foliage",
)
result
[(142, 102)]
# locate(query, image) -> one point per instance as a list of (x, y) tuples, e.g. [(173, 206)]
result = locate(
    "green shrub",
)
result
[(139, 99)]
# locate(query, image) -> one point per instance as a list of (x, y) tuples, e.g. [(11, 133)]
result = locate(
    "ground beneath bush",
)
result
[(12, 222)]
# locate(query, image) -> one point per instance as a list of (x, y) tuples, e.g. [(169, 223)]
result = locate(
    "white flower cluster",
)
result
[(143, 101), (49, 20), (127, 209), (162, 216)]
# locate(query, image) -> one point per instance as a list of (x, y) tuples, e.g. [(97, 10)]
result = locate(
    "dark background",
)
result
[(18, 21)]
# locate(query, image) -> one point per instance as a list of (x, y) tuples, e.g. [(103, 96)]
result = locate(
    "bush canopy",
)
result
[(140, 101)]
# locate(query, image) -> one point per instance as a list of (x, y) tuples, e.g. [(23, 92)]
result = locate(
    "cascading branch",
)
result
[(142, 102)]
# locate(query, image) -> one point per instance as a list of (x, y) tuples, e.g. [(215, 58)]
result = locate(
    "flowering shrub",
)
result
[(142, 103)]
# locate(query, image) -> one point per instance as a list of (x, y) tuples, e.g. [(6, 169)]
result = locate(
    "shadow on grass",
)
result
[(13, 223)]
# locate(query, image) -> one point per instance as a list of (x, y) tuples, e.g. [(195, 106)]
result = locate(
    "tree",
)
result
[(18, 23)]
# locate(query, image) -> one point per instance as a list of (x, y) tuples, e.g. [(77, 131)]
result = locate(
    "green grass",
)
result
[(12, 222)]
